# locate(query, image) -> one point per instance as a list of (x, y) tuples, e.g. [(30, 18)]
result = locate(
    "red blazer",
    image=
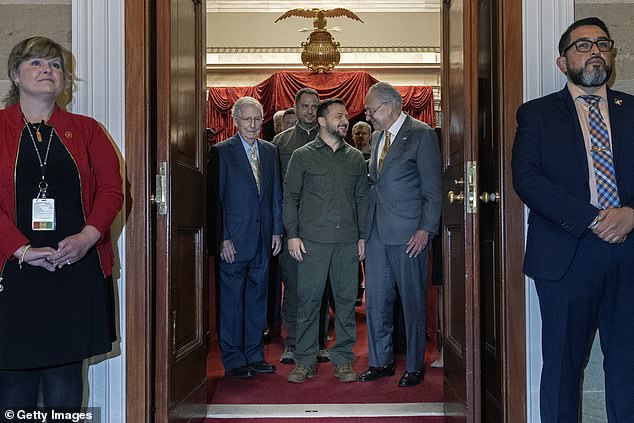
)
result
[(100, 177)]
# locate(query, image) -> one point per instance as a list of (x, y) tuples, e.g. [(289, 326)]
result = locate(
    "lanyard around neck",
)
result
[(42, 185)]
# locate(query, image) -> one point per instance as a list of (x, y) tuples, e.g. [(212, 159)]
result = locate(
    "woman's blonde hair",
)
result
[(38, 47)]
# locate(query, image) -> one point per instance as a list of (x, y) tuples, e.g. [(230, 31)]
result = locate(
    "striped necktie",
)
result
[(255, 166), (607, 192), (386, 146)]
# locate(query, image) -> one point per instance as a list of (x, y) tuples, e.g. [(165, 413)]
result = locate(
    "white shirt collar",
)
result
[(396, 126)]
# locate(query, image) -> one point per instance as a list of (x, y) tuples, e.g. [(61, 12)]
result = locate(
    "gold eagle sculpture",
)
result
[(320, 15)]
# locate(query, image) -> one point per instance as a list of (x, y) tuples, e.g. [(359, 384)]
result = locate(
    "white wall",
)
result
[(543, 23), (98, 46)]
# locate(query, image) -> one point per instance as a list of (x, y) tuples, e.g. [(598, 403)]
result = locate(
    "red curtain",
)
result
[(278, 93)]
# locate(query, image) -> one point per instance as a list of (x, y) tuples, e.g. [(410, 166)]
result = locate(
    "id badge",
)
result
[(43, 214)]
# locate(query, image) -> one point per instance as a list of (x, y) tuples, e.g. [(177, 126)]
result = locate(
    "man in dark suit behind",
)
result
[(573, 166), (250, 195), (403, 215)]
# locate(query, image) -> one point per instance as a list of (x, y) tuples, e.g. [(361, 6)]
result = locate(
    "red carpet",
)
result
[(275, 389), (338, 420)]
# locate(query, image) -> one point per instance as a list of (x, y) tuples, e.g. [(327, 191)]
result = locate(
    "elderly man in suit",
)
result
[(403, 215), (573, 166), (249, 190)]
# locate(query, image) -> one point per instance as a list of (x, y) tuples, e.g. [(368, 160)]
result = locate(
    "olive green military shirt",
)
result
[(325, 193), (290, 140)]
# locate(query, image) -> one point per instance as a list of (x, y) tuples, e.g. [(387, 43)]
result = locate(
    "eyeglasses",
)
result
[(584, 46), (371, 112), (251, 120)]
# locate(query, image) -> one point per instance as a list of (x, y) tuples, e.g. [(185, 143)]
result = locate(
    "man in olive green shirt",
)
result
[(325, 200), (304, 131)]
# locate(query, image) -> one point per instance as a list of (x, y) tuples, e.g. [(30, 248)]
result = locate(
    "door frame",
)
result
[(513, 330), (139, 265)]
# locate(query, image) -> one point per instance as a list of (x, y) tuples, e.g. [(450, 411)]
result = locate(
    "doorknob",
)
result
[(451, 196), (493, 197)]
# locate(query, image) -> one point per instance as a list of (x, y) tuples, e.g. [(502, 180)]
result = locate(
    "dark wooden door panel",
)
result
[(455, 330), (461, 372), (181, 270), (488, 211)]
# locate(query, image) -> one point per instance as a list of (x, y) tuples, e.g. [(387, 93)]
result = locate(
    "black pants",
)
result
[(62, 387)]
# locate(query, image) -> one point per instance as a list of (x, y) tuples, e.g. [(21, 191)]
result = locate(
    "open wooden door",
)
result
[(482, 219), (459, 223), (181, 264)]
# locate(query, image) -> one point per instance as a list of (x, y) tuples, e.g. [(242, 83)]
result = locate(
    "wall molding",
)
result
[(280, 6), (298, 49), (276, 58), (98, 48), (543, 23)]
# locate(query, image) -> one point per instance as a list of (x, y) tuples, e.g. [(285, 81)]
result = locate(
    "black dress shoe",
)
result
[(412, 378), (262, 367), (374, 373), (242, 372)]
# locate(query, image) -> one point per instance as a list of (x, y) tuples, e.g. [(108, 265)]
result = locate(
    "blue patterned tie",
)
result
[(607, 192)]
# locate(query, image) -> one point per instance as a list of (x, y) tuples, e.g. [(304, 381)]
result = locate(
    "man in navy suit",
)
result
[(403, 216), (249, 190), (573, 166)]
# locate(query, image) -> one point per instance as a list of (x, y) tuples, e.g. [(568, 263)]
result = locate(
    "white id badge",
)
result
[(43, 214)]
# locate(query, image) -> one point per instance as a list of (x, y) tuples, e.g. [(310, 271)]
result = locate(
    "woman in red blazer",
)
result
[(60, 190)]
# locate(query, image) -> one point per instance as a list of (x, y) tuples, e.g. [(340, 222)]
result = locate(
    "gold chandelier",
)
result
[(321, 51)]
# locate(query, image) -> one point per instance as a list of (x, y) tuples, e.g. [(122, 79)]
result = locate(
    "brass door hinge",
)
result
[(160, 196), (471, 187)]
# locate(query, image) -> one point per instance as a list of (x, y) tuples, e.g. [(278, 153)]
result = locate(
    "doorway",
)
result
[(229, 71), (144, 41)]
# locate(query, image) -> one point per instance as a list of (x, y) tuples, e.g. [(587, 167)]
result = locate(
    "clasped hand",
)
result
[(614, 224), (74, 247), (69, 250)]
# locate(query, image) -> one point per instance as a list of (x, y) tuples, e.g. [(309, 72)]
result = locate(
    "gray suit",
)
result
[(404, 197)]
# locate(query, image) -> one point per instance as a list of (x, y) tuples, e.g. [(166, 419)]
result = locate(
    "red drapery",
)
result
[(278, 93)]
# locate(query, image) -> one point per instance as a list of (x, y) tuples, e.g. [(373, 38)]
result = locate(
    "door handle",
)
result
[(452, 196), (493, 197)]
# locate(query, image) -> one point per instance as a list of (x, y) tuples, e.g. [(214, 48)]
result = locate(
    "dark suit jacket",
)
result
[(550, 175), (244, 211), (406, 195)]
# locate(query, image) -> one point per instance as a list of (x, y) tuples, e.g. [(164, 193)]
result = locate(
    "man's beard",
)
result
[(595, 77), (334, 131)]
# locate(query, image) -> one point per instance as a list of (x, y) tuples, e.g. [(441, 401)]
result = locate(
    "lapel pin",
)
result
[(68, 134), (618, 101)]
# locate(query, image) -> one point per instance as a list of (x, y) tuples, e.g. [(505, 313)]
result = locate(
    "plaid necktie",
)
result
[(255, 166), (607, 191), (386, 146)]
